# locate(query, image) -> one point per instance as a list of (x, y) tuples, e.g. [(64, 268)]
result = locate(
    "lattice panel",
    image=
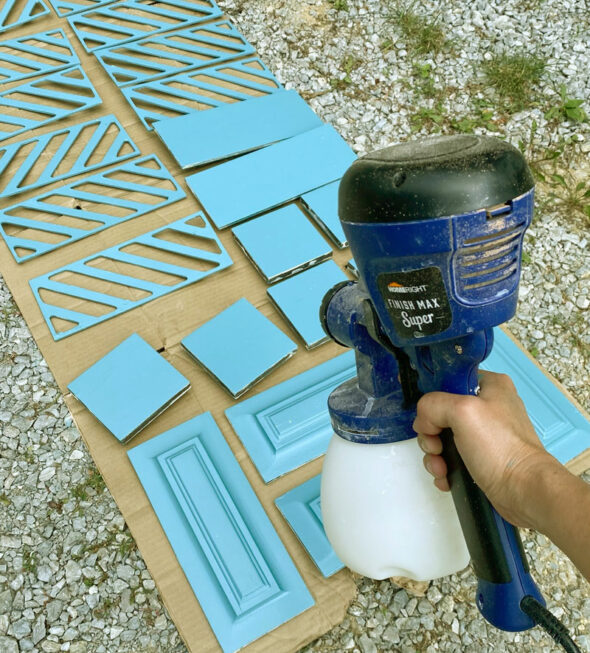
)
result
[(45, 100), (168, 54), (61, 154), (35, 54), (89, 205), (18, 12), (69, 7)]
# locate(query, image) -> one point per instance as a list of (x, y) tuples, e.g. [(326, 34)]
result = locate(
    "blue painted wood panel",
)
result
[(281, 243), (323, 207), (562, 428), (14, 13), (128, 387), (271, 176), (288, 425), (35, 54), (236, 128), (302, 510), (128, 20), (299, 299), (69, 7), (237, 566), (239, 347), (65, 153)]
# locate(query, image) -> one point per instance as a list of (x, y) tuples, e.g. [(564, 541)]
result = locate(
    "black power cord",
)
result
[(542, 617)]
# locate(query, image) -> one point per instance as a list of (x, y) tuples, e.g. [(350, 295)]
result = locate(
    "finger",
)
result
[(435, 465), (442, 484), (430, 443), (434, 412)]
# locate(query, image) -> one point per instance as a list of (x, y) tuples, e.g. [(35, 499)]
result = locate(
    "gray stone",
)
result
[(39, 630), (5, 601), (73, 571), (8, 644), (53, 610)]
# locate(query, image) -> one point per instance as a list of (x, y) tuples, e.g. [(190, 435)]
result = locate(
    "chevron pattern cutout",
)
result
[(99, 287), (87, 206), (61, 154), (35, 54), (45, 100), (128, 20), (201, 89), (69, 7), (19, 12), (168, 54)]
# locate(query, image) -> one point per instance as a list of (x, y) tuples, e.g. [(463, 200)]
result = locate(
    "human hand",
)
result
[(495, 438)]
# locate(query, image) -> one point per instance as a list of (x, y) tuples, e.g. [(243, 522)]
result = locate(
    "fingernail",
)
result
[(427, 465)]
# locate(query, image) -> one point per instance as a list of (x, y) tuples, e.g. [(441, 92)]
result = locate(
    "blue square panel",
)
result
[(301, 508), (281, 243), (239, 347), (288, 425), (272, 176), (129, 387), (323, 207), (300, 297), (231, 555), (236, 128)]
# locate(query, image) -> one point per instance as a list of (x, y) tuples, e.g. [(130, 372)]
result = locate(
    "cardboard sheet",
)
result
[(163, 323)]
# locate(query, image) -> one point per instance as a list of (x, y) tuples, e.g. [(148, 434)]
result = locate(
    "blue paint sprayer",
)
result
[(436, 230)]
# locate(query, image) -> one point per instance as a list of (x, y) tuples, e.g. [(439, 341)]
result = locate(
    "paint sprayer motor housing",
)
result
[(436, 230)]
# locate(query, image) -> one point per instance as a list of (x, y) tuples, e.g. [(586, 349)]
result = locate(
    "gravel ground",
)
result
[(71, 578)]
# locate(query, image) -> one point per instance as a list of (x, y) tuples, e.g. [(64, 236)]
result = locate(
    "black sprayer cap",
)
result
[(431, 178)]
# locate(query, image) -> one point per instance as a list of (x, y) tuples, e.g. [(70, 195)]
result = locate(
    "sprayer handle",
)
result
[(496, 551)]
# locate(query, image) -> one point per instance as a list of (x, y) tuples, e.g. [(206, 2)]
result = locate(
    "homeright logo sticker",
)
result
[(416, 301)]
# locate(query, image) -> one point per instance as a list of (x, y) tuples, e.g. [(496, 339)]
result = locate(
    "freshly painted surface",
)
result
[(236, 128), (35, 54), (301, 508), (163, 55), (84, 139), (288, 425), (128, 20), (300, 297), (113, 198), (562, 428), (129, 387), (323, 207), (133, 288), (69, 7), (232, 557), (198, 90), (281, 243), (239, 346), (271, 176), (20, 12)]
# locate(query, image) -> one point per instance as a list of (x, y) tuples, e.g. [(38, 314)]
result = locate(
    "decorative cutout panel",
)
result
[(45, 100), (61, 154), (128, 20), (288, 425), (228, 549), (35, 54), (69, 7), (202, 89), (18, 12), (169, 54), (46, 222), (115, 280)]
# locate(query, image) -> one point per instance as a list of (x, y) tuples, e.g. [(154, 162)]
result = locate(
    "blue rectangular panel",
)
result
[(87, 206), (323, 208), (239, 346), (281, 243), (299, 299), (128, 20), (45, 100), (61, 154), (18, 12), (128, 275), (301, 508), (288, 425), (129, 387), (236, 128), (69, 7), (163, 55), (272, 176), (208, 88), (232, 557), (562, 428), (35, 54)]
